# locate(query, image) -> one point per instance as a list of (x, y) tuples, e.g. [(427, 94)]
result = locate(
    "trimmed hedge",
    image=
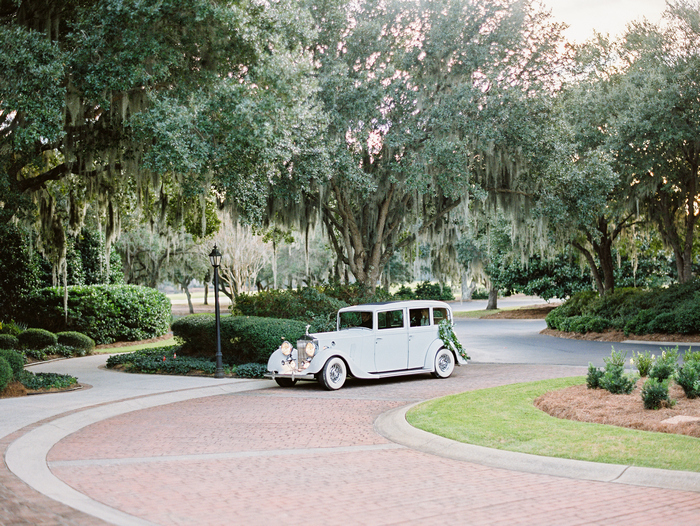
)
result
[(105, 313), (8, 341), (244, 339), (37, 339), (5, 373), (15, 359), (77, 340), (672, 310), (307, 305)]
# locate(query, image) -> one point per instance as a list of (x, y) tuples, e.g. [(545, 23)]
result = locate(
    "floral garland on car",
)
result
[(449, 338)]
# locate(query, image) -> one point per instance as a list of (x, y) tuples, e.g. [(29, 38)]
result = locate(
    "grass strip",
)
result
[(505, 418), (138, 347)]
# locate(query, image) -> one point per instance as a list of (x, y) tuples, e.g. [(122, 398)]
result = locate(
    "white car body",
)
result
[(403, 339)]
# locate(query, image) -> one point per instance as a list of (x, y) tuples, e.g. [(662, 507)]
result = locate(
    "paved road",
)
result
[(138, 449), (520, 341)]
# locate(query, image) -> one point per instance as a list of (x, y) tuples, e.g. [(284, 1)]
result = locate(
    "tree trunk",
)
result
[(206, 293), (189, 298), (493, 298)]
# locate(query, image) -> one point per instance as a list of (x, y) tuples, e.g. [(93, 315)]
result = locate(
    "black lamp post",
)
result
[(215, 259)]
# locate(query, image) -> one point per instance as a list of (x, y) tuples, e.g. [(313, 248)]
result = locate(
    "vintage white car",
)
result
[(378, 340)]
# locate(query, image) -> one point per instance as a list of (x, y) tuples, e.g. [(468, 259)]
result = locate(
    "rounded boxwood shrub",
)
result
[(37, 339), (8, 341), (5, 373), (105, 313), (244, 339), (76, 339), (15, 359)]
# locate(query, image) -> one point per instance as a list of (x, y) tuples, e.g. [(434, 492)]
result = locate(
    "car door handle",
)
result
[(378, 339)]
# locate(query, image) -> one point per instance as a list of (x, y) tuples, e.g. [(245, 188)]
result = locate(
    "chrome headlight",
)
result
[(310, 350), (286, 348)]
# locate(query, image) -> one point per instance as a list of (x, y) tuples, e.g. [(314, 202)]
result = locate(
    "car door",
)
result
[(391, 341), (421, 333)]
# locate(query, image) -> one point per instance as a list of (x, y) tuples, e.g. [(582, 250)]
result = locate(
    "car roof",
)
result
[(411, 304)]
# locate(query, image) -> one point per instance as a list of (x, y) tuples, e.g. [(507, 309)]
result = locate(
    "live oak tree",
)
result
[(420, 97), (658, 125), (117, 103)]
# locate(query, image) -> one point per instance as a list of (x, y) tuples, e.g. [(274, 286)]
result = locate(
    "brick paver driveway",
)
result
[(307, 456)]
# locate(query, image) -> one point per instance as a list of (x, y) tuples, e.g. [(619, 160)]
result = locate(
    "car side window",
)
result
[(439, 314), (419, 317), (349, 320), (391, 319)]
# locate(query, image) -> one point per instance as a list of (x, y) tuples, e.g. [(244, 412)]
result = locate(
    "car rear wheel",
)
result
[(285, 382), (333, 375), (444, 363)]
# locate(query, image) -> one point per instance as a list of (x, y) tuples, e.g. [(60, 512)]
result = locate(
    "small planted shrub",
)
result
[(5, 373), (11, 327), (8, 341), (15, 359), (164, 360), (77, 340), (593, 377), (37, 339), (688, 377), (655, 394), (251, 370), (643, 363), (614, 378), (66, 351), (41, 381), (665, 365)]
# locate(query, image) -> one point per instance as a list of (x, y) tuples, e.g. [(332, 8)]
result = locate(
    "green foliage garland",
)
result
[(449, 338)]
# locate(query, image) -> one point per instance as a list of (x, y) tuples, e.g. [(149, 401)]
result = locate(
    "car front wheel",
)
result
[(333, 375), (285, 382), (444, 364)]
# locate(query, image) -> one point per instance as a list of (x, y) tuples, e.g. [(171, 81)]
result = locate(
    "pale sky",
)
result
[(605, 16)]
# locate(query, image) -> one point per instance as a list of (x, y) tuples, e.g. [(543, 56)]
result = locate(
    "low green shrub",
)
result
[(614, 378), (77, 340), (66, 351), (5, 373), (643, 362), (655, 394), (665, 365), (404, 293), (244, 339), (164, 360), (688, 377), (15, 359), (105, 313), (11, 327), (8, 341), (36, 354), (675, 309), (251, 370), (37, 339), (434, 291), (593, 377), (41, 381)]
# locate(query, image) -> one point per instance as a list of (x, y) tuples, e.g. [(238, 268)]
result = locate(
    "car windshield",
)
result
[(350, 320)]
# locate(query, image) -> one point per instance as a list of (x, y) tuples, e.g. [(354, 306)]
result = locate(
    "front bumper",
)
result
[(291, 376)]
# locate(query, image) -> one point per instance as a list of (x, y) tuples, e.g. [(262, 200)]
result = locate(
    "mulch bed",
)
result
[(602, 407)]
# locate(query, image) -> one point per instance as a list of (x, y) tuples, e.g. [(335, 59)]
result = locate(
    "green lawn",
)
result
[(136, 347), (505, 418)]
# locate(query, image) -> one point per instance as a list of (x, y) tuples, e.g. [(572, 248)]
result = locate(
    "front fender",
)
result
[(278, 363)]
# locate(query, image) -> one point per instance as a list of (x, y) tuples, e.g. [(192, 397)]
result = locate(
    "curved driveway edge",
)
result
[(26, 456), (393, 426)]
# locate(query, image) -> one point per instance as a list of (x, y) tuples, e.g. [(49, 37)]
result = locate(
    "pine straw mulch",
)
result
[(602, 407)]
